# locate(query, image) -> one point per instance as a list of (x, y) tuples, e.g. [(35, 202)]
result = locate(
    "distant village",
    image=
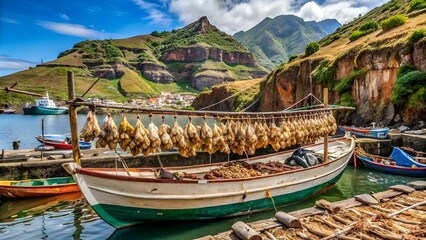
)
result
[(164, 100)]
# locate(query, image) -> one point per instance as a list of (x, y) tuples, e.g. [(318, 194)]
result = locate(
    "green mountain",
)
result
[(189, 59), (275, 40)]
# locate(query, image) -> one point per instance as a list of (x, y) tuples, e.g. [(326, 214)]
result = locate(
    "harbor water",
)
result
[(69, 216)]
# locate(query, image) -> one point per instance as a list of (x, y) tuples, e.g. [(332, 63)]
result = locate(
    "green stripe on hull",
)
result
[(122, 216)]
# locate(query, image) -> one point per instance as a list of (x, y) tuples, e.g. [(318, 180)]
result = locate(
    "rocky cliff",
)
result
[(368, 73), (368, 67)]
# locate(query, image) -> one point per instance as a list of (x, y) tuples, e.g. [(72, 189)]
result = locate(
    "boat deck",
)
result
[(399, 213)]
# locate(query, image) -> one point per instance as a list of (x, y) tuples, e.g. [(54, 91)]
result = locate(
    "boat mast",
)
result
[(325, 93), (73, 119)]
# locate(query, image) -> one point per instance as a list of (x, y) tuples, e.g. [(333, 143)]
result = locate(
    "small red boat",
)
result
[(37, 187), (61, 141)]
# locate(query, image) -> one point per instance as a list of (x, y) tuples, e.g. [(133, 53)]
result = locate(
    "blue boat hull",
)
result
[(400, 170), (34, 110), (378, 133)]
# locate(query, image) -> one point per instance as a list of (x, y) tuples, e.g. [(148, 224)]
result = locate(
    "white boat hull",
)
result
[(123, 200)]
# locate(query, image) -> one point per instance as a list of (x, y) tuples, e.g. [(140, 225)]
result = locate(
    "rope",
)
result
[(301, 100), (254, 102), (233, 95)]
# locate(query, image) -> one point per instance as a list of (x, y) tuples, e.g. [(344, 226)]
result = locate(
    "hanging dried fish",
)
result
[(109, 134), (177, 135), (91, 129), (218, 140), (206, 138), (155, 140), (125, 131), (275, 136), (251, 139), (164, 133), (140, 141)]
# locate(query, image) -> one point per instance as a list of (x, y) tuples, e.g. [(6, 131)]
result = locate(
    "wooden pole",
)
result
[(73, 119), (325, 91)]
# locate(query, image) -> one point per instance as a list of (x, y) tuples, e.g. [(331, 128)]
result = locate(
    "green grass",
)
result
[(346, 84), (417, 35), (417, 5), (417, 100), (364, 29), (393, 22)]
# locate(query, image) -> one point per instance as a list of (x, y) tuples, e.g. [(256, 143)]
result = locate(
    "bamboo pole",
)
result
[(73, 119), (325, 91)]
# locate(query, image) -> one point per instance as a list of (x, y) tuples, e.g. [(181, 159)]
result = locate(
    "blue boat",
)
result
[(379, 133), (399, 163), (44, 106)]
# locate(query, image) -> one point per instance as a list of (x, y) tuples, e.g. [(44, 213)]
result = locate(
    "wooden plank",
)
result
[(366, 199), (269, 223), (402, 188), (419, 185), (331, 207)]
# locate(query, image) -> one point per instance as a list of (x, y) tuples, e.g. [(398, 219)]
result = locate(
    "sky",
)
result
[(35, 31)]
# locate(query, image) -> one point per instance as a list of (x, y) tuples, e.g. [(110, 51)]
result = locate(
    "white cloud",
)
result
[(232, 16), (158, 17), (7, 63), (8, 20), (155, 12), (65, 17), (342, 11), (73, 30)]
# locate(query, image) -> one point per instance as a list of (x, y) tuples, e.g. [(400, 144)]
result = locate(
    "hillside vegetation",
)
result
[(359, 64), (196, 56)]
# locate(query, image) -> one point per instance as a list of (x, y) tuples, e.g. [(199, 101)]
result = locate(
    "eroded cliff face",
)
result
[(371, 91), (200, 53)]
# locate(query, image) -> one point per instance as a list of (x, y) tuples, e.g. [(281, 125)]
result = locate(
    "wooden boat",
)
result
[(399, 163), (44, 106), (59, 141), (123, 198), (379, 133), (7, 110), (37, 187)]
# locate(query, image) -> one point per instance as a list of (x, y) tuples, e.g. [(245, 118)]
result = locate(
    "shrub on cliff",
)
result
[(407, 85), (331, 39), (404, 69), (364, 29), (292, 57), (346, 84), (311, 48), (417, 35), (393, 22), (417, 5), (369, 26)]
